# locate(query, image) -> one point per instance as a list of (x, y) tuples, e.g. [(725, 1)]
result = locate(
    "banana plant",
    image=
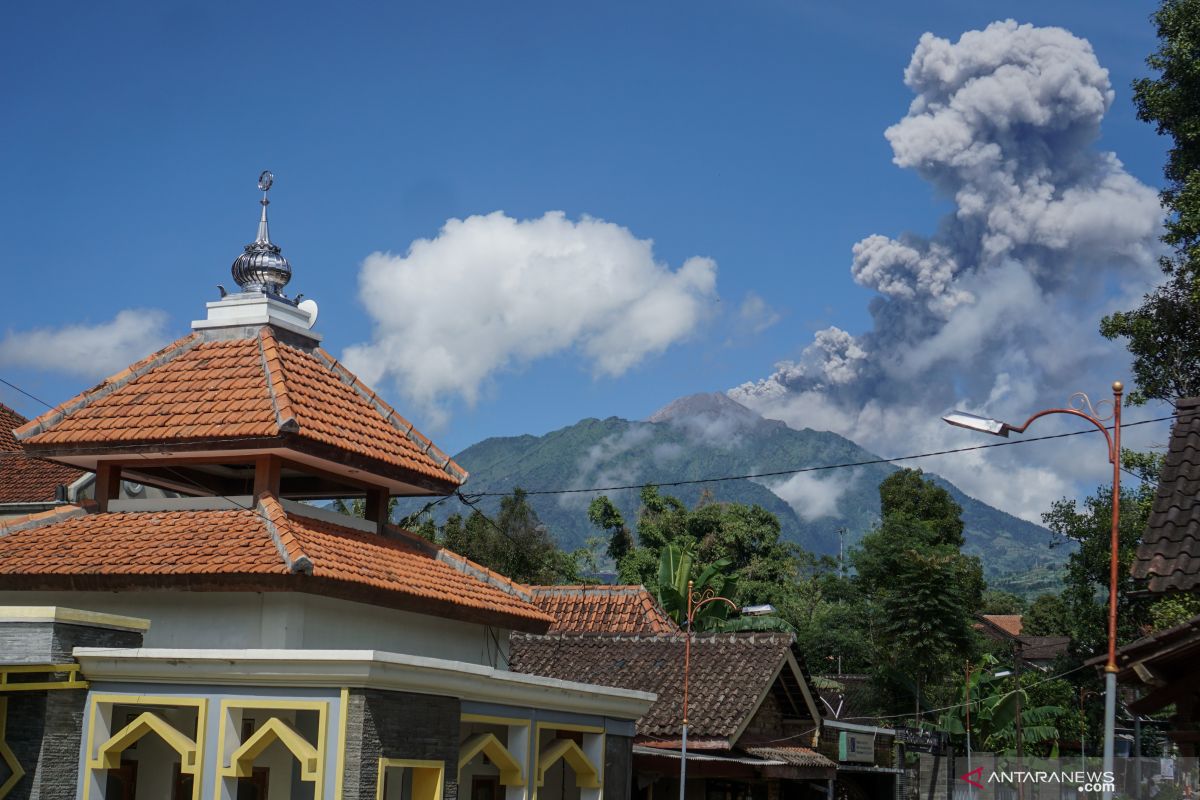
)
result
[(675, 568), (994, 700)]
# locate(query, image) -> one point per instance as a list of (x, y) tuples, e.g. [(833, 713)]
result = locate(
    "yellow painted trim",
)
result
[(341, 753), (567, 726), (485, 719), (489, 745), (72, 681), (7, 755), (60, 614), (427, 789), (274, 730), (229, 770), (95, 700), (109, 754), (587, 776)]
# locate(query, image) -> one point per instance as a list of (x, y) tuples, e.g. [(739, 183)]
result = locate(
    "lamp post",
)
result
[(696, 601), (1080, 406)]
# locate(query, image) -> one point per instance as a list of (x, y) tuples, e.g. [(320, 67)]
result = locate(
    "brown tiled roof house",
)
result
[(751, 711)]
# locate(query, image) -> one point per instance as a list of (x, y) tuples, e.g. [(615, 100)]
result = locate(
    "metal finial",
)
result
[(262, 267)]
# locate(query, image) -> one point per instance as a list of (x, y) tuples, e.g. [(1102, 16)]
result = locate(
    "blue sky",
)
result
[(748, 133)]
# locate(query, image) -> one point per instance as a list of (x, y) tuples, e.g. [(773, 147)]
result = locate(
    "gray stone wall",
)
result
[(618, 767), (45, 727), (52, 642), (398, 725)]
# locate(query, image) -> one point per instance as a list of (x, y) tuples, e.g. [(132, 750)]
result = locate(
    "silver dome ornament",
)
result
[(262, 267)]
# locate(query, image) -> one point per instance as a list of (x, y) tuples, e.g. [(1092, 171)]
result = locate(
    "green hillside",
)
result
[(710, 435)]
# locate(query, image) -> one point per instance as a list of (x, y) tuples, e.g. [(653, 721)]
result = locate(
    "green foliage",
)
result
[(1089, 524), (733, 549), (922, 590), (992, 698), (1048, 615), (604, 515), (1174, 610), (1161, 333), (676, 570), (517, 545), (996, 601), (907, 492)]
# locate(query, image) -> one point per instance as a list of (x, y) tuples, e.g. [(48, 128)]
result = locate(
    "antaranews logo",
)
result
[(1082, 780)]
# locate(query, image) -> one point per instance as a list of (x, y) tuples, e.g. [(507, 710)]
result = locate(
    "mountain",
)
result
[(710, 435)]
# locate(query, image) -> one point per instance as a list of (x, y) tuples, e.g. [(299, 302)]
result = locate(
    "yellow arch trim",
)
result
[(7, 755), (271, 731), (586, 774), (109, 754), (489, 745), (428, 777)]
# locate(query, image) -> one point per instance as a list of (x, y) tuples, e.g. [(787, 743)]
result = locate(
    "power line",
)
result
[(823, 467), (14, 387)]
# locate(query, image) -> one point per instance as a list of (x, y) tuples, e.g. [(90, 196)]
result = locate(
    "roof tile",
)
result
[(603, 609), (1169, 554), (221, 543), (258, 387), (24, 479)]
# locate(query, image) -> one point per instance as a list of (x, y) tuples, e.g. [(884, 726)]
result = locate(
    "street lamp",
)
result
[(1081, 406), (696, 601)]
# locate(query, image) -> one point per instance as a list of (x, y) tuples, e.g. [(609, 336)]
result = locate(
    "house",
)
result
[(235, 641), (28, 485), (1036, 651), (1165, 666), (753, 721), (603, 609)]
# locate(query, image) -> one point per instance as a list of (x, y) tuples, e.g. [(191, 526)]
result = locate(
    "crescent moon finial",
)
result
[(265, 180)]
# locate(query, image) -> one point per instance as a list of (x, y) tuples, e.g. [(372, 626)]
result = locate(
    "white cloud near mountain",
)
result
[(492, 293), (997, 311), (87, 351)]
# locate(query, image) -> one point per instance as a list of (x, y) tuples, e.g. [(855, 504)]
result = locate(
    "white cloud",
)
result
[(491, 293), (754, 315), (89, 351), (812, 497), (997, 311)]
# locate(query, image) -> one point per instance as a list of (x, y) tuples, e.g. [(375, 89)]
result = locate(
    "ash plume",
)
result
[(997, 309)]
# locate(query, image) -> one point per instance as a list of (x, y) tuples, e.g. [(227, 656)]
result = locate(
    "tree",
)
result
[(1161, 334), (997, 601), (516, 544), (1048, 615), (923, 591), (604, 515)]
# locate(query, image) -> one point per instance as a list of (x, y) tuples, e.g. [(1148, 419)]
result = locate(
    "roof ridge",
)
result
[(424, 444), (286, 541), (481, 573), (107, 386), (268, 349), (30, 521)]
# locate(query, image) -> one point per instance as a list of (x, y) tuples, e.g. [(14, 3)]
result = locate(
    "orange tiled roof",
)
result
[(196, 391), (263, 548), (1009, 623), (24, 479), (603, 609)]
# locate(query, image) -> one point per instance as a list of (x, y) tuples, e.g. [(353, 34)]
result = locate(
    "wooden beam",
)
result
[(377, 507), (108, 484), (266, 475)]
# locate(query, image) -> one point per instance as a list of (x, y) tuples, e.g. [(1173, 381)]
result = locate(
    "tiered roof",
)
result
[(200, 393), (255, 545), (603, 609), (24, 479)]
